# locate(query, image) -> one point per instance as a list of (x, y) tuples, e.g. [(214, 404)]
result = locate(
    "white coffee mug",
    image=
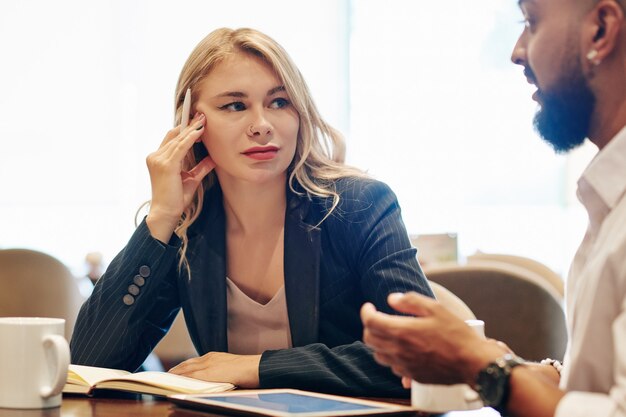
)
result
[(437, 398), (34, 357)]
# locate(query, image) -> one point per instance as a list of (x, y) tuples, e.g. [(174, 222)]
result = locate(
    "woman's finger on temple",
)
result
[(176, 148), (176, 131), (171, 134), (188, 137)]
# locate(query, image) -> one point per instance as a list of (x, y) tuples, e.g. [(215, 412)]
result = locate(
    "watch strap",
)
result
[(493, 382)]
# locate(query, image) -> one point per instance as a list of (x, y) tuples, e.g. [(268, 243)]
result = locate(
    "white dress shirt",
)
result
[(594, 373)]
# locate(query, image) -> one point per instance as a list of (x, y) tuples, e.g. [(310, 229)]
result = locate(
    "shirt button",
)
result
[(128, 300), (139, 280), (144, 271), (133, 289)]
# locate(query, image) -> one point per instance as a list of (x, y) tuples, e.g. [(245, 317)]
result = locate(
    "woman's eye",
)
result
[(279, 103), (236, 106)]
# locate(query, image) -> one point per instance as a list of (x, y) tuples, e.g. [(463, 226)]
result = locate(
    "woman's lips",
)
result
[(261, 153)]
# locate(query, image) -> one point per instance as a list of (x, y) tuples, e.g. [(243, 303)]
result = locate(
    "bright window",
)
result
[(440, 113), (424, 92), (87, 94)]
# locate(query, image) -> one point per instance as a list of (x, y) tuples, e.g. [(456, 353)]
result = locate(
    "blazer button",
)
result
[(133, 289), (144, 271), (139, 280), (128, 299)]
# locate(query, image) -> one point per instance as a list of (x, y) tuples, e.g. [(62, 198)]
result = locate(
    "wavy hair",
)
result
[(320, 149)]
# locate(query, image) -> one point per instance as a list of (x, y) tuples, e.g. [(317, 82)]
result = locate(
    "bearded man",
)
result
[(574, 52)]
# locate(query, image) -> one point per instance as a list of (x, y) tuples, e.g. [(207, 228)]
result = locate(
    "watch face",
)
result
[(491, 384)]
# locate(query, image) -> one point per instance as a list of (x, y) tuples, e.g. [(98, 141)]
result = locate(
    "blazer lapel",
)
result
[(206, 290), (302, 255), (206, 309)]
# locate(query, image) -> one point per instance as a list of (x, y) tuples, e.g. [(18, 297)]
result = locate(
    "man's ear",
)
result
[(602, 28)]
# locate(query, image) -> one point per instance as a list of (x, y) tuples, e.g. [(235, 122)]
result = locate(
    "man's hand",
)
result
[(433, 347)]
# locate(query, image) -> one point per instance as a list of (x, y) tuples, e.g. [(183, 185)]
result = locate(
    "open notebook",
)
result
[(84, 379)]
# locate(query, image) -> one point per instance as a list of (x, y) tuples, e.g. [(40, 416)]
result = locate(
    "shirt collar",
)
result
[(603, 183)]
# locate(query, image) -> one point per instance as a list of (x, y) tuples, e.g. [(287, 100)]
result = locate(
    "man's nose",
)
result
[(518, 55)]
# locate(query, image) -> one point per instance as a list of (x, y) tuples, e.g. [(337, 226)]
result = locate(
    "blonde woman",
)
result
[(256, 228)]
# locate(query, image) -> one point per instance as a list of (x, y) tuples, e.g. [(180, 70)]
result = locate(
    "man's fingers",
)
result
[(367, 312), (381, 323), (382, 358), (412, 303), (387, 340)]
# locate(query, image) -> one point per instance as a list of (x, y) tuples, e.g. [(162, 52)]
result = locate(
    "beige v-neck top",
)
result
[(253, 327)]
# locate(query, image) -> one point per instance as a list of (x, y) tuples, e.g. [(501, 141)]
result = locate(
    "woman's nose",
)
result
[(260, 127)]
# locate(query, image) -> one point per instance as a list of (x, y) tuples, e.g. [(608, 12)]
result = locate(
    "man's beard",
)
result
[(565, 114)]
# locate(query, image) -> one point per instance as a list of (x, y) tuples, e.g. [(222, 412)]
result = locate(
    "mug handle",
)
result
[(62, 355)]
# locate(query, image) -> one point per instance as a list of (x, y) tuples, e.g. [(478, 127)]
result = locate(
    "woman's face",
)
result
[(251, 127)]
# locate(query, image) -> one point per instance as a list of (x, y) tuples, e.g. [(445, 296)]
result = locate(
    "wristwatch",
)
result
[(492, 383)]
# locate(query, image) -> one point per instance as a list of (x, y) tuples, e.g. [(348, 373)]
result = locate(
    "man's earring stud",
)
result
[(591, 56)]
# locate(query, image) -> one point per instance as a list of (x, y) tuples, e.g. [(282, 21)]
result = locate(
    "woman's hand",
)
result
[(240, 370), (173, 188)]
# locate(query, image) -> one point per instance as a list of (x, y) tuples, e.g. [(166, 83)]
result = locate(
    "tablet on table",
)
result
[(286, 403)]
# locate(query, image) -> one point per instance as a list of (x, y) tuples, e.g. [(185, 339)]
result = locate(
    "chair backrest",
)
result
[(34, 284), (452, 302), (537, 267), (518, 307)]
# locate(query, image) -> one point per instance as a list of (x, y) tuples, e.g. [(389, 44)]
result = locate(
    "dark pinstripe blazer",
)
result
[(359, 253)]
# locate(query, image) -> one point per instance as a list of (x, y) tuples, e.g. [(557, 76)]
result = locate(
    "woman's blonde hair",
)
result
[(320, 149)]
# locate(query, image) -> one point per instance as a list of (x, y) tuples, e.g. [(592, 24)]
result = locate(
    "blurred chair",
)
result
[(452, 302), (34, 284), (537, 267), (176, 345), (517, 306)]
